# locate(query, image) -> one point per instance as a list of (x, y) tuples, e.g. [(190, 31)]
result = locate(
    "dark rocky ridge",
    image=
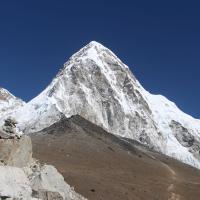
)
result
[(102, 166)]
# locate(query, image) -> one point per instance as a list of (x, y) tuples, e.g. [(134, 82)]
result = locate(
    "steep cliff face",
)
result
[(96, 85)]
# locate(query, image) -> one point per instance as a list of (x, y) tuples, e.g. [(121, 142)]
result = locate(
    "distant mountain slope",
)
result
[(96, 85), (8, 104), (103, 166)]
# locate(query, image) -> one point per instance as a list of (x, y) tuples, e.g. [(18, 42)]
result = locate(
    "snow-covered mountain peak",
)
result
[(95, 84), (92, 52), (94, 45), (7, 98)]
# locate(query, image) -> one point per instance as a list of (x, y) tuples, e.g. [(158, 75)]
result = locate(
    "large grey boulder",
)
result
[(14, 183)]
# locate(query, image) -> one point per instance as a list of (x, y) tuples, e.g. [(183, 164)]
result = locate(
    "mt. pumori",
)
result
[(96, 85)]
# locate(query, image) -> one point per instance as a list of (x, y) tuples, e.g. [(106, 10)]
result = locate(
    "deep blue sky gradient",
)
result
[(158, 40)]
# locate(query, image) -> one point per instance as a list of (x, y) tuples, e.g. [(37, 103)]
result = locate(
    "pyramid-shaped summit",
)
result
[(95, 84)]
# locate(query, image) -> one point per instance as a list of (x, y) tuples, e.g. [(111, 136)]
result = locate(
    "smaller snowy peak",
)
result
[(8, 104), (5, 95), (7, 98)]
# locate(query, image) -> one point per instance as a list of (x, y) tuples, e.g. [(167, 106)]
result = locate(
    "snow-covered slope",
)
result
[(95, 84), (8, 104), (24, 178)]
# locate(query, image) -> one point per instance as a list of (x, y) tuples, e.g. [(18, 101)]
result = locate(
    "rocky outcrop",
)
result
[(48, 184), (23, 178), (9, 129), (182, 134), (186, 138)]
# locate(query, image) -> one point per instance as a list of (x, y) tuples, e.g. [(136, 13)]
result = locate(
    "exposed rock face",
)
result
[(48, 184), (22, 178), (16, 152), (186, 138), (46, 195), (9, 129), (98, 86), (182, 134)]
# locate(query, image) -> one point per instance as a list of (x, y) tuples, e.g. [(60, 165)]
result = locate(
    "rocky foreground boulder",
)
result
[(9, 129), (16, 152), (23, 178)]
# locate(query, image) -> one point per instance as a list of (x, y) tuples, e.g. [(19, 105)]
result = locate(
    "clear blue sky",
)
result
[(158, 40)]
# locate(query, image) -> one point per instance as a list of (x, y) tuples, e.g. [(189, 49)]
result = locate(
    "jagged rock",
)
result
[(50, 184), (182, 134), (10, 122), (186, 138), (47, 195), (9, 129)]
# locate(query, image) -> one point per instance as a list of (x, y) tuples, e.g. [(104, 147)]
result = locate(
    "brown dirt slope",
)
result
[(102, 166)]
